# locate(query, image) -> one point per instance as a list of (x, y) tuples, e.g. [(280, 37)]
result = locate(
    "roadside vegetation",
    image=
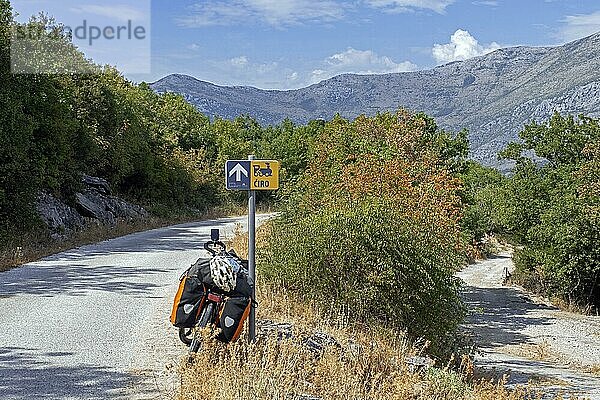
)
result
[(377, 214), (552, 210), (373, 225), (549, 208), (155, 150), (367, 361)]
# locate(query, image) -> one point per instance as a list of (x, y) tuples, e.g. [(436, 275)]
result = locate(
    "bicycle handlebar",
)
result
[(209, 246)]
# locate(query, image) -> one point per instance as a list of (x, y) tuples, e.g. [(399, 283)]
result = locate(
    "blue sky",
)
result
[(283, 44)]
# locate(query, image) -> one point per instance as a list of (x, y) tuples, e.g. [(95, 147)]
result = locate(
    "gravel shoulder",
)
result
[(92, 323), (527, 337)]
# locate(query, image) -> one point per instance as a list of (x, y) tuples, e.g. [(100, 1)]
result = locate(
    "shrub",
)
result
[(374, 261), (373, 225)]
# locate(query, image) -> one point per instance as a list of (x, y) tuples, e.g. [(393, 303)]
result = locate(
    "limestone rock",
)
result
[(101, 185), (61, 219), (106, 209), (269, 328), (319, 341), (93, 206), (88, 207)]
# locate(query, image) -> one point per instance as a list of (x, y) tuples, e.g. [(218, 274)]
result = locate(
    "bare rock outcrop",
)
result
[(61, 219), (93, 205)]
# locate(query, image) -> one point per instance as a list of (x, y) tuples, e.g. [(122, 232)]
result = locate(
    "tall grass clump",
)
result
[(372, 225)]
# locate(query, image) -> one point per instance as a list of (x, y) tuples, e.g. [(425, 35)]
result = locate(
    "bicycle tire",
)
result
[(185, 335), (196, 343)]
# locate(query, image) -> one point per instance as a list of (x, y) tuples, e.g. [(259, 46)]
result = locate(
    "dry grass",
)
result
[(370, 362), (239, 242), (34, 246), (533, 351), (594, 369), (541, 380), (573, 308)]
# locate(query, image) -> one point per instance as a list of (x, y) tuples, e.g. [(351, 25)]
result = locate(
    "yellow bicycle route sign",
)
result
[(265, 175), (252, 175)]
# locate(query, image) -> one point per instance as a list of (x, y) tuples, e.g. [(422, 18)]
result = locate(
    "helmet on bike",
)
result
[(223, 272)]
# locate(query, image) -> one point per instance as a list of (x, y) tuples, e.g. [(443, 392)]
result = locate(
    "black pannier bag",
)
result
[(242, 285), (231, 321), (188, 301), (201, 269), (191, 297)]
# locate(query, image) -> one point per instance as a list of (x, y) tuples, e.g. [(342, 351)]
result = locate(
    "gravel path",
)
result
[(529, 338), (92, 323)]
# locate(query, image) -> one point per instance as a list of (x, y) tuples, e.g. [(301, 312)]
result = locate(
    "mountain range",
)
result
[(492, 96)]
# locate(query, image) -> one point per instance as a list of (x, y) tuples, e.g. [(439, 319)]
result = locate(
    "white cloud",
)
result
[(283, 12), (243, 65), (359, 62), (273, 12), (578, 26), (399, 6), (462, 46), (243, 70), (275, 74), (239, 62), (266, 68), (293, 12)]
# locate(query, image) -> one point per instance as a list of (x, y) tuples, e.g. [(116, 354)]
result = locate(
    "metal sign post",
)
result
[(252, 175), (252, 259)]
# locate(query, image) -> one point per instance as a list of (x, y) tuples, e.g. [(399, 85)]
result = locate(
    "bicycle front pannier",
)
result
[(231, 321), (188, 302)]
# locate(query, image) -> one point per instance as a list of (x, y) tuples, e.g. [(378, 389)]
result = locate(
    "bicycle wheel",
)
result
[(185, 335), (196, 343)]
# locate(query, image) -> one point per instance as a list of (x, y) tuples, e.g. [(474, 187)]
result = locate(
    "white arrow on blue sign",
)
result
[(237, 174)]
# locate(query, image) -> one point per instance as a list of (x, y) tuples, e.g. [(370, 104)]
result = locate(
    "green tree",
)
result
[(548, 206), (481, 194)]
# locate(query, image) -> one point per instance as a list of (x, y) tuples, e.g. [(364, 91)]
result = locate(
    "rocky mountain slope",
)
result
[(492, 95)]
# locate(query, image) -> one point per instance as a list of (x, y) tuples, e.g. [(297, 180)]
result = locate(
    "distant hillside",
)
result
[(492, 96)]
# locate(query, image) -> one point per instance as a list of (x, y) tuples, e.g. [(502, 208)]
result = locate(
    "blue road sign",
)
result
[(237, 174)]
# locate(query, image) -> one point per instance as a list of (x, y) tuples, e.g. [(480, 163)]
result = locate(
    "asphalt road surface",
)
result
[(528, 338), (92, 323)]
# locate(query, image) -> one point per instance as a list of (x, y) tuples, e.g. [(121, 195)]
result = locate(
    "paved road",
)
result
[(92, 323), (528, 338)]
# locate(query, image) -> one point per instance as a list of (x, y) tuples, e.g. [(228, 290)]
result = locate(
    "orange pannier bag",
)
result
[(234, 313), (188, 302)]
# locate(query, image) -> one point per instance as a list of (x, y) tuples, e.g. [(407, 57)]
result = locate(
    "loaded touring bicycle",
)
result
[(214, 293)]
